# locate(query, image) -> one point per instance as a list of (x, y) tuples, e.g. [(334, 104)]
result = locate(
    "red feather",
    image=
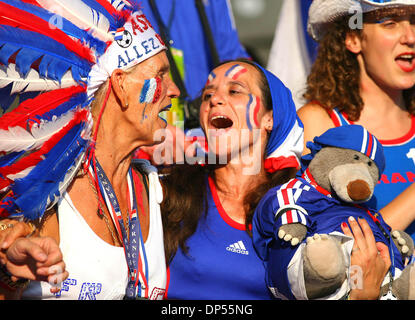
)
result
[(38, 106), (4, 182), (35, 157), (27, 21), (111, 10), (34, 2)]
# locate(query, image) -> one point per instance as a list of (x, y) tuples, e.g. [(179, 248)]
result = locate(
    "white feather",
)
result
[(81, 15), (17, 138), (33, 81)]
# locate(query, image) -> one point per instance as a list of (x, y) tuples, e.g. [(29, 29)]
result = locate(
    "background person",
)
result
[(367, 76)]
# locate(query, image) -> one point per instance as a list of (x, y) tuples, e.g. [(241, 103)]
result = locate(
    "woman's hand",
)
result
[(176, 148), (370, 261)]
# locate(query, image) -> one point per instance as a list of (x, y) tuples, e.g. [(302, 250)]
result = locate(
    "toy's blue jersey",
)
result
[(182, 20), (321, 213), (221, 263), (400, 166)]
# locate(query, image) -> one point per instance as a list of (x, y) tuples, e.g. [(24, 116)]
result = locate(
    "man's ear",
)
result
[(118, 83), (353, 42)]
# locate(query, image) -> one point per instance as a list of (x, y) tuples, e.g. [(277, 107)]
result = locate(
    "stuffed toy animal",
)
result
[(297, 226)]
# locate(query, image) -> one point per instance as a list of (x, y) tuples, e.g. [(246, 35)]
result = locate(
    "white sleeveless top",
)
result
[(98, 270)]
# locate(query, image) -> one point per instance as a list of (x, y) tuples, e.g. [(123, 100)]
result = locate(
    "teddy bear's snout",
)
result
[(351, 182), (358, 190)]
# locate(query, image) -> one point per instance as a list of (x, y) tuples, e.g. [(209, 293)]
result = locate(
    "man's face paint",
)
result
[(235, 71), (151, 91), (252, 110)]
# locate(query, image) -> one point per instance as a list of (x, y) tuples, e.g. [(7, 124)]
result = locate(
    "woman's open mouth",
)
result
[(219, 124), (406, 61)]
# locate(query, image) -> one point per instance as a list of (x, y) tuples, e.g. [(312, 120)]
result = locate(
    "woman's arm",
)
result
[(400, 212)]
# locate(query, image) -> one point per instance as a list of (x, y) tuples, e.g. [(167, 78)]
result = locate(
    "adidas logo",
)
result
[(238, 247)]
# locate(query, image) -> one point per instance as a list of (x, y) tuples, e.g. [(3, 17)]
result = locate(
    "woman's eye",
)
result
[(356, 157), (369, 163), (206, 96), (387, 23)]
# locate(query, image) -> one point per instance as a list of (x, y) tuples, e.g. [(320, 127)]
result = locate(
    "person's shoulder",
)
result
[(316, 120), (313, 110)]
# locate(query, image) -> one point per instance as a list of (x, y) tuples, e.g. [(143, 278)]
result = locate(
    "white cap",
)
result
[(135, 42), (323, 12)]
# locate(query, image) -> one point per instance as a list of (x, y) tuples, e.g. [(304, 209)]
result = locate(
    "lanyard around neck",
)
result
[(133, 244), (310, 179)]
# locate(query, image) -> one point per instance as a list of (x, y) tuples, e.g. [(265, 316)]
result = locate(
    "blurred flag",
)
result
[(293, 50)]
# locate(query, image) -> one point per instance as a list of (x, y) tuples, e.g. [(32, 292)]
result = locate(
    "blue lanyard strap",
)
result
[(390, 242), (132, 243), (134, 230), (386, 235)]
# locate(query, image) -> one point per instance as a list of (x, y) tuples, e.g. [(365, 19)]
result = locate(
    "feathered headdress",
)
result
[(50, 53)]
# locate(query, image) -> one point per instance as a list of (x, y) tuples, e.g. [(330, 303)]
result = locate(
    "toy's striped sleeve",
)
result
[(289, 211)]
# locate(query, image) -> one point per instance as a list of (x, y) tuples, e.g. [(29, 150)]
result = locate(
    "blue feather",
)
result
[(65, 25), (10, 158), (97, 7), (73, 103), (30, 46), (7, 99), (42, 183)]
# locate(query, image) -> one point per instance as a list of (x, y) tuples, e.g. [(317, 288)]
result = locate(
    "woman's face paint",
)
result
[(211, 77), (235, 71), (252, 110), (151, 91)]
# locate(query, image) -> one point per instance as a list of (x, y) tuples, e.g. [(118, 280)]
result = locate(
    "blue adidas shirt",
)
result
[(181, 18), (325, 215), (399, 172), (221, 263)]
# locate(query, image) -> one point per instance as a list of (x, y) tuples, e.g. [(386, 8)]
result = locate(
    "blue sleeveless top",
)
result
[(400, 166), (221, 263)]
